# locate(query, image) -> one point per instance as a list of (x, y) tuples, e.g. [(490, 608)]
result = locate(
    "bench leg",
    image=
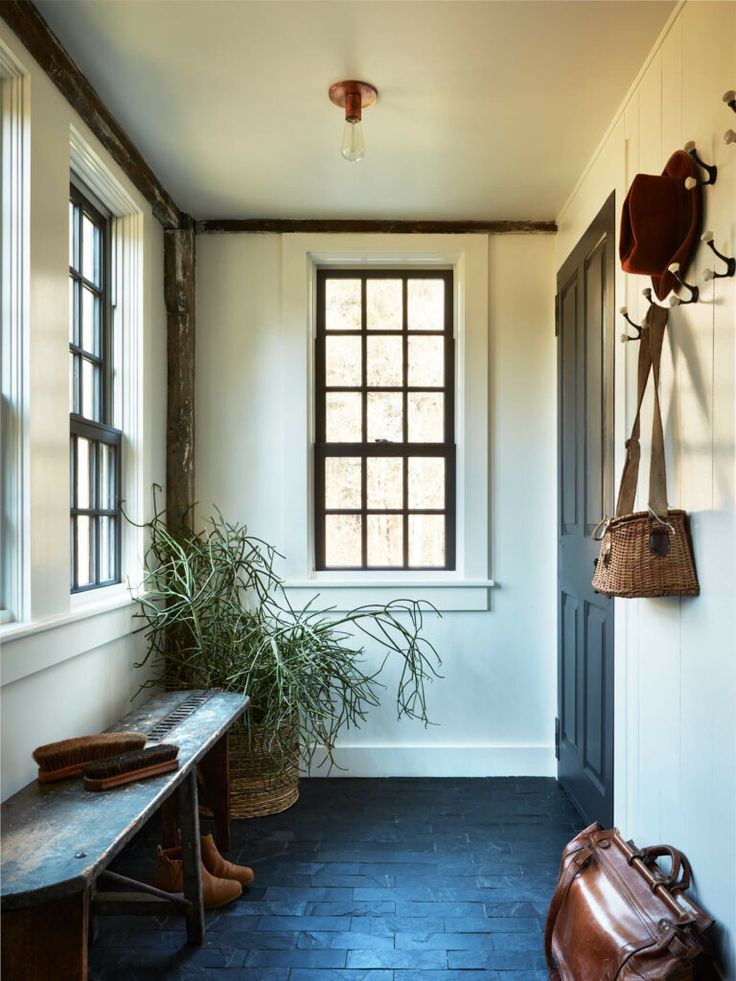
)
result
[(186, 795), (169, 823), (215, 774), (47, 942)]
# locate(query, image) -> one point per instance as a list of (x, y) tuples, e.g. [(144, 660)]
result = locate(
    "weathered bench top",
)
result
[(56, 838)]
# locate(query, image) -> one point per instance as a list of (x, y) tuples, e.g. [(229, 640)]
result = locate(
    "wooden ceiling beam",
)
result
[(24, 18), (368, 225)]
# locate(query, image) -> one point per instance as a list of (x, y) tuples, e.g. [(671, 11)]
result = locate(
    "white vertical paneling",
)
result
[(671, 112), (708, 677), (676, 659), (671, 59), (658, 633), (672, 138), (651, 154)]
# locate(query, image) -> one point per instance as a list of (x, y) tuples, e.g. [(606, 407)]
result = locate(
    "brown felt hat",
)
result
[(660, 222)]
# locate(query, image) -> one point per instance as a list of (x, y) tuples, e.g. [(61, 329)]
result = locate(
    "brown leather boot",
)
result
[(169, 876), (219, 866)]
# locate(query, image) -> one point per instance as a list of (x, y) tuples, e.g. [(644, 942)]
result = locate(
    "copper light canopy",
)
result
[(353, 97)]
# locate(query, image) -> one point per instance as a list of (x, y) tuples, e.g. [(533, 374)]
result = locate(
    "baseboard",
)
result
[(440, 761)]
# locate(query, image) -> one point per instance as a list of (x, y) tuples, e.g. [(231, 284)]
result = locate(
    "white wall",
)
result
[(496, 703), (68, 669), (676, 658)]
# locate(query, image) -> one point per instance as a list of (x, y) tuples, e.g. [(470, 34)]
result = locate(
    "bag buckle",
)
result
[(600, 529), (582, 858), (660, 531)]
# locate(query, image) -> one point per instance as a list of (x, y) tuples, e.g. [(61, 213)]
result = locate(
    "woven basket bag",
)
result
[(646, 553)]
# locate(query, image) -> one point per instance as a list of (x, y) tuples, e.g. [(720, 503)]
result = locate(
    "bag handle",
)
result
[(679, 863), (650, 352)]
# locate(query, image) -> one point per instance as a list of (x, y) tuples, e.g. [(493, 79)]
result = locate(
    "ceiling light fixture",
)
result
[(353, 97)]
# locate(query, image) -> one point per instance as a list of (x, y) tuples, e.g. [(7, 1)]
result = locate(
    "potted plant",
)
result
[(216, 616)]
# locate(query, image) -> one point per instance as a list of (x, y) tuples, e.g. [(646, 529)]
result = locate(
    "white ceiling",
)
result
[(487, 110)]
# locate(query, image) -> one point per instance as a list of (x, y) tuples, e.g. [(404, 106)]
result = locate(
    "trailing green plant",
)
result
[(217, 616)]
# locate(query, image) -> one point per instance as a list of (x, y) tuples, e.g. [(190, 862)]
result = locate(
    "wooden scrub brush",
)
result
[(56, 761), (128, 767)]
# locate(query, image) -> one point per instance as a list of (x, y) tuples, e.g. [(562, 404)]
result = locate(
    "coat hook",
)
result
[(730, 98), (647, 294), (709, 274), (624, 311), (675, 301), (729, 136), (691, 182)]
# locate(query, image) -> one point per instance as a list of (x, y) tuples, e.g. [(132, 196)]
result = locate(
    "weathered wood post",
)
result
[(179, 292)]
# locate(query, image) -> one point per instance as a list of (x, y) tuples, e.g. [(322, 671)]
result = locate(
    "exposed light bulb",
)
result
[(353, 144)]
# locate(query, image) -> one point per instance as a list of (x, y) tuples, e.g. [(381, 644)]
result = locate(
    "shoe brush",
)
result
[(57, 761), (129, 767)]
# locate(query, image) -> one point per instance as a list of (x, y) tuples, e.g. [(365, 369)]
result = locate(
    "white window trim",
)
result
[(15, 232), (127, 303), (467, 256)]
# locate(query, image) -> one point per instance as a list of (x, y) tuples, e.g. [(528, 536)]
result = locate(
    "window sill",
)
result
[(27, 648), (94, 601), (352, 590)]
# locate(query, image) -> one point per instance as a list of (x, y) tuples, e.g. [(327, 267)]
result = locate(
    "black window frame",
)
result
[(403, 449), (101, 431)]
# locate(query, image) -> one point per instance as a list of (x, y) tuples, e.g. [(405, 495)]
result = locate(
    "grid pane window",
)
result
[(385, 452), (95, 444)]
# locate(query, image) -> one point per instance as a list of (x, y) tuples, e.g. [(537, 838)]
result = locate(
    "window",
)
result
[(384, 420), (14, 283), (95, 442)]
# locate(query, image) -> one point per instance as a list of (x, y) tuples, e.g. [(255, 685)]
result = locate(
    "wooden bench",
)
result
[(57, 839)]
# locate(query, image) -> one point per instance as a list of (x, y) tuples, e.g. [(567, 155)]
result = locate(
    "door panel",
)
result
[(593, 474), (595, 690), (568, 396), (585, 462), (568, 712)]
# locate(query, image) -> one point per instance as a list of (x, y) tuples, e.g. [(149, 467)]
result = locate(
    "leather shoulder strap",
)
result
[(657, 467), (650, 351), (578, 862)]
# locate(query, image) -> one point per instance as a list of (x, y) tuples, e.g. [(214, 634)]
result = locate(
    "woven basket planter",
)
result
[(259, 783)]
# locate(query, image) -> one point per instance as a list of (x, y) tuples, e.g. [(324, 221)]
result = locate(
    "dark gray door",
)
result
[(585, 286)]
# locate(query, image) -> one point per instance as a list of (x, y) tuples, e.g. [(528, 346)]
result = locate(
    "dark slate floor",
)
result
[(369, 880)]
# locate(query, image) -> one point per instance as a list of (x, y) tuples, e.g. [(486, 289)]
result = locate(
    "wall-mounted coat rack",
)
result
[(624, 311), (710, 169), (676, 301), (709, 274), (730, 99)]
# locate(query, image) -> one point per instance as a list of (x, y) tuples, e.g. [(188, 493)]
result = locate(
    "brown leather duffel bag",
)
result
[(616, 915)]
